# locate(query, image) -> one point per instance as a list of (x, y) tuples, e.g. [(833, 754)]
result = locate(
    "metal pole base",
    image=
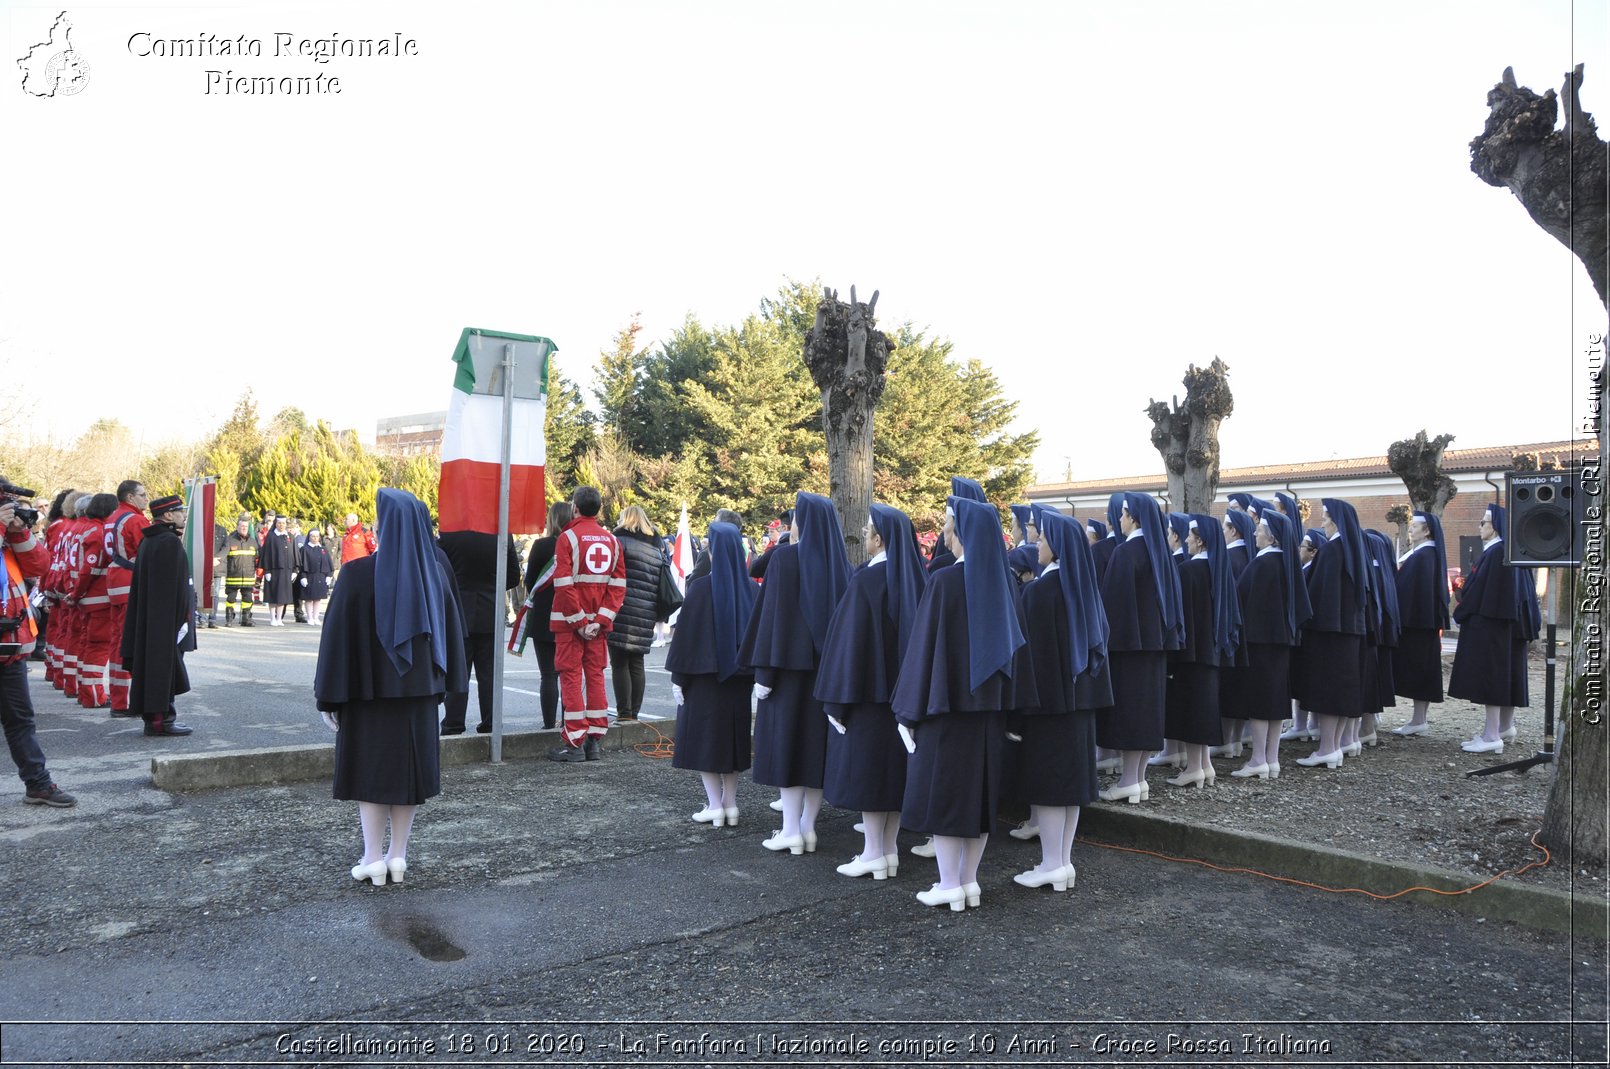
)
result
[(1544, 757)]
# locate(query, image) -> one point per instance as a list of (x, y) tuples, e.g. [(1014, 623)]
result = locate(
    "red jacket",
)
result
[(124, 529), (89, 583), (26, 558), (356, 543), (589, 577)]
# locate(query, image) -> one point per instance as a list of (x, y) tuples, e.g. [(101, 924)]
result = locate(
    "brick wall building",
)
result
[(1364, 482), (411, 435)]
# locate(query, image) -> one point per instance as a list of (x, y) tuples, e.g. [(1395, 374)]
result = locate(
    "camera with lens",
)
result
[(8, 630), (26, 514)]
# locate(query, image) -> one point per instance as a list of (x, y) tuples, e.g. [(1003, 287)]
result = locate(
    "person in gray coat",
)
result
[(633, 633)]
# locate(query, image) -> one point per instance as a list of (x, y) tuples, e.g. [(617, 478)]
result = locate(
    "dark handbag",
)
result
[(669, 598)]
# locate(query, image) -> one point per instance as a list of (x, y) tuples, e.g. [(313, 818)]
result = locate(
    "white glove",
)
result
[(838, 725), (304, 582), (330, 721), (676, 693), (908, 737), (268, 577), (762, 693)]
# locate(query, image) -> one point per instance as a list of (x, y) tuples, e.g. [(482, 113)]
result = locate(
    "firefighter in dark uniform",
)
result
[(240, 572)]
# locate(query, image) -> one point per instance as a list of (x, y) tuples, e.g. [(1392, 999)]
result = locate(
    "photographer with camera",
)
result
[(25, 558)]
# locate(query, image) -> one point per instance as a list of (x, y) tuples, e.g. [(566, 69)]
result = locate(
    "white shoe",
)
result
[(777, 805), (892, 863), (1329, 760), (1026, 832), (955, 898), (878, 867), (1481, 745), (973, 893), (1411, 729), (1505, 736), (709, 814), (794, 844), (860, 825), (1060, 879), (1261, 771), (923, 849), (732, 816), (1109, 764), (1229, 749), (1170, 760)]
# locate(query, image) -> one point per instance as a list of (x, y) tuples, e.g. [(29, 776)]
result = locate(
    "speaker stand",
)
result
[(1545, 756)]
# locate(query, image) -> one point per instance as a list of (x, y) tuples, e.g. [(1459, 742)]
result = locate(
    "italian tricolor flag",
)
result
[(472, 445)]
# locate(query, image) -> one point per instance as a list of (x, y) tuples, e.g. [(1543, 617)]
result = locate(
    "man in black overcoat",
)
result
[(160, 625), (475, 565)]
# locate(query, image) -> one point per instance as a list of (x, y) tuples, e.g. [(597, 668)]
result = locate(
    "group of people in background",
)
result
[(922, 692), (278, 565)]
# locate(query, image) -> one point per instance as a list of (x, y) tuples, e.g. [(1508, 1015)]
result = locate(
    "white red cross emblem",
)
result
[(598, 558)]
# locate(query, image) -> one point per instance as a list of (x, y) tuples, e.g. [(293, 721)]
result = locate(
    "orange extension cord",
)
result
[(1333, 890)]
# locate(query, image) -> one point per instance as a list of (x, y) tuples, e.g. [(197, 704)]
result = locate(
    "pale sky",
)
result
[(1085, 196)]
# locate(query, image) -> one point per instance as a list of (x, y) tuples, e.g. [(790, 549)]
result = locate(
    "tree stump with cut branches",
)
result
[(848, 359), (1418, 462), (1187, 436), (1559, 176)]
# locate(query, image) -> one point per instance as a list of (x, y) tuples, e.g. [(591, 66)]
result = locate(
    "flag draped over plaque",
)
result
[(472, 449)]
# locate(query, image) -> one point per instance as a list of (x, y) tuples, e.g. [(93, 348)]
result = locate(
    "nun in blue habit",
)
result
[(1024, 557), (1304, 724), (1382, 639), (1497, 617), (1212, 638), (711, 687), (1274, 607), (391, 651), (1141, 594), (963, 487), (1101, 546), (1422, 584), (1240, 533), (783, 645), (1056, 756), (868, 635), (1330, 680), (967, 663), (1179, 531)]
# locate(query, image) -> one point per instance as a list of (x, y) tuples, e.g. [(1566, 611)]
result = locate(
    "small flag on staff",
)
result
[(201, 497)]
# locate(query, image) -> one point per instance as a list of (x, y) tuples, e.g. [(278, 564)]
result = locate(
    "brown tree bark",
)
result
[(1558, 175), (1418, 462), (1187, 436), (848, 357), (1560, 178)]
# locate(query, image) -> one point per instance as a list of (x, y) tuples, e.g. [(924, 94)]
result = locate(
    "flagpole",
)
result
[(500, 599)]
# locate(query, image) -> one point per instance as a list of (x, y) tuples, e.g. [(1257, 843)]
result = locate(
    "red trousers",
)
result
[(119, 672), (95, 652), (581, 663)]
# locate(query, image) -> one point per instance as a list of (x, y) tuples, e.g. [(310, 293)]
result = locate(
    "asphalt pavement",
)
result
[(573, 914)]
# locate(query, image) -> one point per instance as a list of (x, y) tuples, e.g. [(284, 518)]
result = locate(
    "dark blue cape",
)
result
[(1083, 616), (1143, 509), (824, 566), (905, 575), (991, 601), (1383, 587), (777, 636), (410, 597), (712, 625), (1499, 590), (1295, 602), (1226, 606), (861, 659)]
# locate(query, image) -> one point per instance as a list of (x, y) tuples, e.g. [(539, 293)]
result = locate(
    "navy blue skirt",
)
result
[(1489, 665), (1055, 764), (791, 733), (712, 726), (1192, 706), (1417, 664), (1330, 675), (866, 766), (953, 781), (388, 752), (1266, 683), (1140, 694)]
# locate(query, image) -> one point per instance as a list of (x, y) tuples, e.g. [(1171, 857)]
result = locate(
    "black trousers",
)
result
[(478, 651), (17, 714), (549, 674), (627, 669)]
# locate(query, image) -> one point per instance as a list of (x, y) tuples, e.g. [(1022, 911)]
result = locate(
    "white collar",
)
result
[(1334, 537), (1136, 533), (1054, 566), (960, 557), (1491, 542), (1237, 542), (1200, 556), (1268, 549), (882, 556)]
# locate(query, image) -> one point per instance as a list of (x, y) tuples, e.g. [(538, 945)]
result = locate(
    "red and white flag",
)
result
[(472, 448), (201, 503), (682, 551)]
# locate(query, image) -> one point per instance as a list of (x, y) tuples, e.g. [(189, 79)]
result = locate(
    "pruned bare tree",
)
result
[(1560, 177), (1418, 462), (1187, 435), (848, 357)]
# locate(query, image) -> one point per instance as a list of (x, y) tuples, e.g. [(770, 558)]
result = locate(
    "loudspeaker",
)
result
[(1545, 519)]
